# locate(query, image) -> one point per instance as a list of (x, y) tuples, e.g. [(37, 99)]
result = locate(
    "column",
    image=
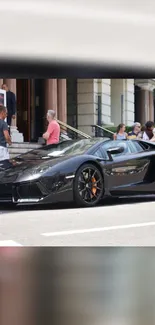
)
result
[(122, 101), (144, 105), (51, 95), (151, 109), (141, 105), (87, 104), (104, 89), (129, 102), (62, 100), (146, 109)]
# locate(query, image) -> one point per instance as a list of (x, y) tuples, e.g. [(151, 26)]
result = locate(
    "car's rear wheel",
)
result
[(88, 186)]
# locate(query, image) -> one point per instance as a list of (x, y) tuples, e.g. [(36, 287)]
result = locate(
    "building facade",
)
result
[(76, 102)]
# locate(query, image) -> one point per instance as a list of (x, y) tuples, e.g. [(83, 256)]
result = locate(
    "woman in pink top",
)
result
[(52, 134)]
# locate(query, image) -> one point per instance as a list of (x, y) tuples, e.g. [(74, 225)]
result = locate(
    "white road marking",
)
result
[(9, 243), (102, 229)]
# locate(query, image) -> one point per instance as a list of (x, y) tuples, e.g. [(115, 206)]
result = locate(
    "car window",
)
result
[(111, 144), (68, 147), (98, 153), (135, 146)]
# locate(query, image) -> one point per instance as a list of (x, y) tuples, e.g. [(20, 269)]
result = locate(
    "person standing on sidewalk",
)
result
[(4, 135), (52, 135), (148, 132), (136, 130), (10, 104), (120, 133)]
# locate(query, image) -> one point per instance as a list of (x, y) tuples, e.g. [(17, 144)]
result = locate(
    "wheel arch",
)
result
[(95, 164), (92, 162)]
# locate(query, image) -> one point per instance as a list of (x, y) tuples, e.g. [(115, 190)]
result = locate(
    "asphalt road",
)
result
[(114, 223)]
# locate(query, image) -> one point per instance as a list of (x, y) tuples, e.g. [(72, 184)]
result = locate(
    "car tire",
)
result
[(98, 187)]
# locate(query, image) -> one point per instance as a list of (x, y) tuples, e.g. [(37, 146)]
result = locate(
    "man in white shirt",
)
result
[(148, 132)]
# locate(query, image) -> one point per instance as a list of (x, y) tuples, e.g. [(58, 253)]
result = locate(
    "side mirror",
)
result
[(114, 151)]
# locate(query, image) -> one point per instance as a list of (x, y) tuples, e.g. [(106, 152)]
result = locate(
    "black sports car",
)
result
[(84, 171)]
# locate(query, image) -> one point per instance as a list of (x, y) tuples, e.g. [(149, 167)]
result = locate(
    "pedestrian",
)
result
[(148, 131), (136, 129), (4, 135), (153, 138), (120, 133), (52, 134), (10, 104)]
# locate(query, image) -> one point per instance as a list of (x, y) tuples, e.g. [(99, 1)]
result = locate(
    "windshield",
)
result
[(70, 147)]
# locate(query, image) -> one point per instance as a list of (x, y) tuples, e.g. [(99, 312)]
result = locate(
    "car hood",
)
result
[(20, 168), (23, 164)]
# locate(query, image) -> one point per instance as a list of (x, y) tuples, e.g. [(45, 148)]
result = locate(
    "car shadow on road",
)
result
[(104, 203)]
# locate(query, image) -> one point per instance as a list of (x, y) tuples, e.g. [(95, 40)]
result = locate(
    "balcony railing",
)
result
[(70, 132), (100, 131)]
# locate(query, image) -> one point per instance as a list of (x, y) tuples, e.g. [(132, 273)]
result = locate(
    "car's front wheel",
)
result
[(88, 186)]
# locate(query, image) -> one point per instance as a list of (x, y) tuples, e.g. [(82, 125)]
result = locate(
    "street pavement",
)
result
[(113, 223)]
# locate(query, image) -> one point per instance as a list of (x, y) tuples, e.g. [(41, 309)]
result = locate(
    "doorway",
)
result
[(23, 108), (30, 108), (39, 108), (72, 102)]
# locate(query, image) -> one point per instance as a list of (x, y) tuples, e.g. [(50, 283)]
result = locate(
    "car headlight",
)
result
[(40, 169)]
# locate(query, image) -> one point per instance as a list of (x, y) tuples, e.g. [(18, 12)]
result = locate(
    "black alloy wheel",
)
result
[(88, 186)]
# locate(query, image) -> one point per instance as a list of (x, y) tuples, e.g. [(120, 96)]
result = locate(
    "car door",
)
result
[(126, 173)]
